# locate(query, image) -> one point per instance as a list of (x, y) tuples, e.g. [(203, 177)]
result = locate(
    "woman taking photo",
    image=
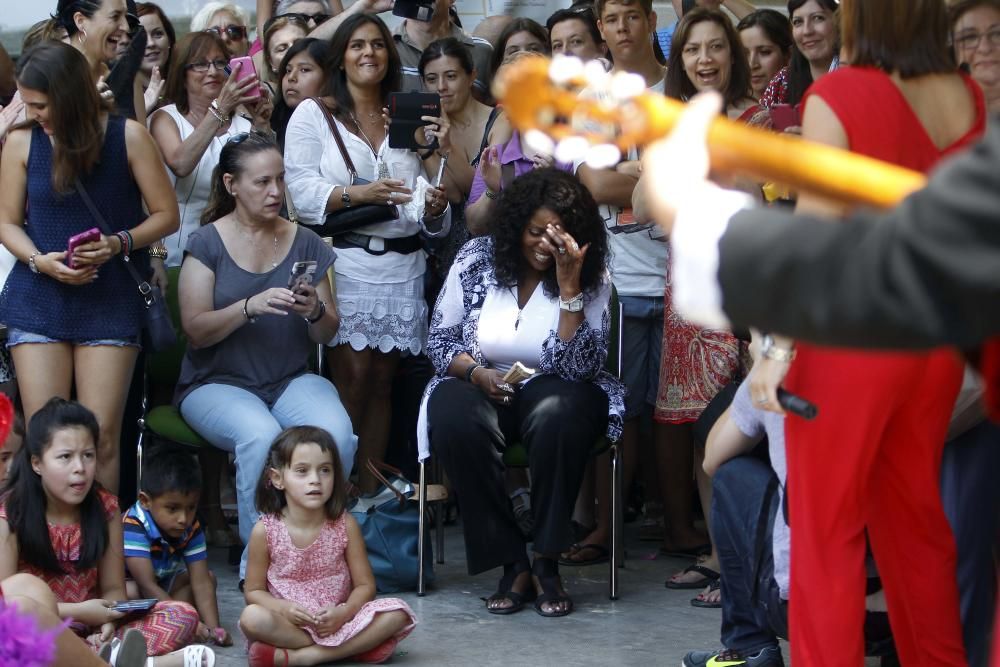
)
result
[(535, 291), (870, 462), (74, 321), (767, 38), (446, 68), (237, 309), (817, 49), (380, 267), (94, 28), (160, 40), (192, 131)]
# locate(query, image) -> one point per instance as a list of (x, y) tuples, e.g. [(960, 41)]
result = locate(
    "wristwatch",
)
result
[(31, 261), (769, 349), (345, 197), (574, 305), (319, 316)]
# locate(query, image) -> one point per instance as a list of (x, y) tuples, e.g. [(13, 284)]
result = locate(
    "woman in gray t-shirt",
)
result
[(244, 377)]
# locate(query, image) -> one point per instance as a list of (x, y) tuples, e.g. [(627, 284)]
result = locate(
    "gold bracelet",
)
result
[(160, 252)]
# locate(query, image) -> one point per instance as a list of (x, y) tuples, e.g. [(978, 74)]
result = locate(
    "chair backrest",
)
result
[(163, 368), (613, 364)]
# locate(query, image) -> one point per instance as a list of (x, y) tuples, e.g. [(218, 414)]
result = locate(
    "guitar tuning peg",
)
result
[(563, 69), (627, 86), (539, 142), (603, 156), (595, 75), (571, 149)]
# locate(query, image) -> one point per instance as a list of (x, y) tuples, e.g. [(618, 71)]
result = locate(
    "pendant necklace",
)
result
[(383, 168), (256, 246)]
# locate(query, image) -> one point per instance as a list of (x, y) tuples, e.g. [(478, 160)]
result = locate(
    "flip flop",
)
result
[(703, 604), (709, 575), (602, 555)]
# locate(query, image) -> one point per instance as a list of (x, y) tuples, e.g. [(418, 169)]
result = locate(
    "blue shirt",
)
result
[(143, 539)]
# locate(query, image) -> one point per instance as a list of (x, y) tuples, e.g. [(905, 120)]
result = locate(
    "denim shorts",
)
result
[(19, 336)]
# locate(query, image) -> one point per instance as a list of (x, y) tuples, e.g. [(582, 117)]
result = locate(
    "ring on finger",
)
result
[(562, 250)]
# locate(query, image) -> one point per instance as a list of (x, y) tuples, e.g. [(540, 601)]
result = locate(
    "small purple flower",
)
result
[(22, 642)]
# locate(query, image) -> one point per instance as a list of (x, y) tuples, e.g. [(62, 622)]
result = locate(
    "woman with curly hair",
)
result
[(536, 291)]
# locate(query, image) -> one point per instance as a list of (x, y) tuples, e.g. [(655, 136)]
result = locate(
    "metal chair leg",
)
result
[(617, 551), (421, 526)]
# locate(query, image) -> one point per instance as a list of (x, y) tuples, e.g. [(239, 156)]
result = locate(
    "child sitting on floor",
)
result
[(11, 444), (165, 553), (60, 525), (309, 588)]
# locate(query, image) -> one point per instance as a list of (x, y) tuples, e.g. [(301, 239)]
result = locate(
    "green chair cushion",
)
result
[(166, 422)]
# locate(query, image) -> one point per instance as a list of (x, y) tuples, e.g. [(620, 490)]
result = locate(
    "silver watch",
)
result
[(769, 349), (574, 305)]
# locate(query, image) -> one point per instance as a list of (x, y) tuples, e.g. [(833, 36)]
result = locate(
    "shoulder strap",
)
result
[(145, 289), (336, 135), (486, 134)]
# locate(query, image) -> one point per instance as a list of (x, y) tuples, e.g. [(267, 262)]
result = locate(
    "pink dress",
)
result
[(317, 577)]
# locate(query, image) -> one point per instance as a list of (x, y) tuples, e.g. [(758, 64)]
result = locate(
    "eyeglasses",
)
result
[(255, 135), (969, 41), (315, 18), (233, 32), (220, 65)]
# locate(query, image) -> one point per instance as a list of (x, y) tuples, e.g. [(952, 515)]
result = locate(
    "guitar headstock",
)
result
[(575, 111)]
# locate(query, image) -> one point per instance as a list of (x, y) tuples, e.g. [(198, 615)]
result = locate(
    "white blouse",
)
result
[(508, 333), (314, 166)]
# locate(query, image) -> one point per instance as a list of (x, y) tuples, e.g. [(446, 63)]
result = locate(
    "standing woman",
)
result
[(192, 131), (446, 68), (975, 32), (301, 76), (77, 327), (767, 38), (280, 34), (94, 28), (160, 40), (870, 461), (817, 48), (380, 267)]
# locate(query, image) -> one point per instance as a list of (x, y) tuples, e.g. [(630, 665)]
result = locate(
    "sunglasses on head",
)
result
[(230, 31), (256, 135), (315, 18)]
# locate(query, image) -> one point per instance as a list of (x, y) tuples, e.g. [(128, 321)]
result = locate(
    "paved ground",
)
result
[(648, 625)]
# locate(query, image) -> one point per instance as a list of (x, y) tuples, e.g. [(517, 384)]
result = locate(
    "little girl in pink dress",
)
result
[(309, 588)]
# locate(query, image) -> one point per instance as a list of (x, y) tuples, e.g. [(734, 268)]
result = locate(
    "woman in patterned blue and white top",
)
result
[(535, 291)]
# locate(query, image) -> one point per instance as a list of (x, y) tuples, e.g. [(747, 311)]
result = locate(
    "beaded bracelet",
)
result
[(125, 239), (246, 313)]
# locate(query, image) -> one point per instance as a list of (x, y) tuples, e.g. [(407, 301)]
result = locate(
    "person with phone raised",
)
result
[(237, 311)]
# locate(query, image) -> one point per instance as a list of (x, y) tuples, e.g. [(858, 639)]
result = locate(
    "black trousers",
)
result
[(558, 421)]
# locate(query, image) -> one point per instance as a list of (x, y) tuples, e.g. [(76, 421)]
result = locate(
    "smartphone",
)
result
[(418, 10), (405, 111), (247, 70), (134, 606), (302, 273), (83, 238), (518, 373)]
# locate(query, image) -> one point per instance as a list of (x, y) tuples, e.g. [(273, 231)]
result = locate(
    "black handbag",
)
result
[(158, 328), (352, 217)]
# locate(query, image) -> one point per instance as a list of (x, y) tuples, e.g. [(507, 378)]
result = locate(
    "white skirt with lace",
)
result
[(384, 317)]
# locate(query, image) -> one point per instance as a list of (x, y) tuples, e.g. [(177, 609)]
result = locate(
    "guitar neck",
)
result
[(805, 166)]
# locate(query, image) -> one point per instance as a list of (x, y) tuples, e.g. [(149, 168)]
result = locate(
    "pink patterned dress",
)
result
[(317, 577)]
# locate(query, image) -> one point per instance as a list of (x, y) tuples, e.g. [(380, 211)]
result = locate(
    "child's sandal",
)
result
[(265, 655), (198, 655), (379, 654)]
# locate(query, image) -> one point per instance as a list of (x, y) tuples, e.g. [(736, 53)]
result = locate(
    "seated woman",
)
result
[(244, 377), (535, 291)]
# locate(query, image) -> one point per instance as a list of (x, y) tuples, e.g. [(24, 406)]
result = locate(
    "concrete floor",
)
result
[(647, 625)]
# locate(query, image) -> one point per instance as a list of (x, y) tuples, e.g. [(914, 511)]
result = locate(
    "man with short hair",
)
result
[(412, 37)]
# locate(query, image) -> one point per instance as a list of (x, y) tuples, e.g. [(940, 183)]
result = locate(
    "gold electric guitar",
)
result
[(542, 98)]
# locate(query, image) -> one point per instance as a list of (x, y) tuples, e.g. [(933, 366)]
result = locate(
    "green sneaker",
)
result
[(766, 657)]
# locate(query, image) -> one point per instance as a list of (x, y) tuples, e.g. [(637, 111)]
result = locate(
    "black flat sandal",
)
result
[(505, 590), (547, 572)]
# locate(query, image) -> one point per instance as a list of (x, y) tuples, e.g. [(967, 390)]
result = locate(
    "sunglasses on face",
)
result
[(234, 32), (315, 18), (220, 65)]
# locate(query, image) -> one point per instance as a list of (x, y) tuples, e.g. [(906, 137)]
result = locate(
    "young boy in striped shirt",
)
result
[(165, 553)]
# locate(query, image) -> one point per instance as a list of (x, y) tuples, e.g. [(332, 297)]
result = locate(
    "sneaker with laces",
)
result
[(766, 657)]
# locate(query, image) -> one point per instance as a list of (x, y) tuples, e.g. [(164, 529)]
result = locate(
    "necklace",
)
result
[(383, 169), (257, 249)]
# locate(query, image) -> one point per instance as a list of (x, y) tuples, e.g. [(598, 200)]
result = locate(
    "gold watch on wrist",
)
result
[(769, 349)]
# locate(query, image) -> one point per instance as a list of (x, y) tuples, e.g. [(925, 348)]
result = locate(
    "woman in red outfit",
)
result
[(871, 459)]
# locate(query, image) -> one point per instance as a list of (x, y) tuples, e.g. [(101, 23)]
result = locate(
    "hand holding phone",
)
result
[(406, 111), (246, 70), (134, 606), (83, 238), (303, 273)]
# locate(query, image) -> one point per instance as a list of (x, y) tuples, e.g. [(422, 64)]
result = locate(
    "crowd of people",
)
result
[(220, 153)]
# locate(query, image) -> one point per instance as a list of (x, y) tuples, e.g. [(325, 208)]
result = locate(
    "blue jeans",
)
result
[(237, 421), (744, 504), (642, 348)]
